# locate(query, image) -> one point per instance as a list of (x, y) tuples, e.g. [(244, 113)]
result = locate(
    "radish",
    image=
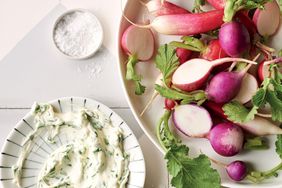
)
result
[(224, 86), (258, 126), (234, 38), (195, 72), (213, 51), (133, 44), (248, 23), (247, 90), (237, 170), (268, 19), (158, 8), (263, 69), (192, 120), (226, 139), (137, 48), (183, 54), (169, 104), (218, 4), (185, 24)]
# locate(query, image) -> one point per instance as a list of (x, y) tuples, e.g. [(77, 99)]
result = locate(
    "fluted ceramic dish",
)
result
[(36, 158)]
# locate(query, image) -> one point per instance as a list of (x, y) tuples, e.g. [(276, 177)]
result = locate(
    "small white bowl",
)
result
[(99, 36)]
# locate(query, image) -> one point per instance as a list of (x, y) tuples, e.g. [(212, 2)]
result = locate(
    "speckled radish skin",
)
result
[(247, 90), (132, 42), (158, 8), (188, 24), (268, 19), (237, 170), (192, 120), (226, 139)]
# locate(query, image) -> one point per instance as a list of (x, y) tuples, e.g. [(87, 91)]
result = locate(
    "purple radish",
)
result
[(268, 19), (237, 170), (234, 38), (192, 120), (194, 73), (226, 139), (224, 86)]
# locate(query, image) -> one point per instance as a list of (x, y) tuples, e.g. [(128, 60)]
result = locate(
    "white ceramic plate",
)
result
[(41, 151), (262, 160)]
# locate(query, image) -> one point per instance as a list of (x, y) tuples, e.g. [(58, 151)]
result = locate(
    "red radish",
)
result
[(218, 4), (247, 90), (169, 104), (234, 38), (185, 24), (213, 51), (226, 139), (133, 44), (192, 120), (258, 126), (248, 23), (237, 170), (195, 72), (154, 95), (268, 19), (158, 8), (183, 54)]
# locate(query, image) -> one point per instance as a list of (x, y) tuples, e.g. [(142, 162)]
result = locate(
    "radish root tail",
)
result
[(149, 103)]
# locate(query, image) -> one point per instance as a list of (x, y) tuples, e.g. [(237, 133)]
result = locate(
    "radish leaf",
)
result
[(131, 75), (278, 145), (167, 62), (256, 143)]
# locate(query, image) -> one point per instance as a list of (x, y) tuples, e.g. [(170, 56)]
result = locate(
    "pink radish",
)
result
[(192, 120), (183, 54), (234, 38), (170, 104), (247, 90), (158, 8), (137, 48), (226, 139), (218, 4), (268, 19), (143, 47), (185, 24), (195, 72)]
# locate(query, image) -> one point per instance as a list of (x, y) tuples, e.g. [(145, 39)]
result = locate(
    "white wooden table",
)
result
[(32, 70)]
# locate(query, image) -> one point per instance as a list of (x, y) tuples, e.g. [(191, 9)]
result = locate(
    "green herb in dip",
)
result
[(93, 159)]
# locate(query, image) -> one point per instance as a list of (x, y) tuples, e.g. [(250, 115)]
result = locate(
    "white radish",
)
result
[(138, 41), (192, 120), (261, 127), (268, 19), (247, 90), (194, 73)]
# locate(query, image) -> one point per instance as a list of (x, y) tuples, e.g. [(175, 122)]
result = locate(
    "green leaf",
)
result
[(187, 172), (233, 6), (276, 105), (259, 98), (132, 75), (167, 62), (238, 113), (278, 145), (177, 95)]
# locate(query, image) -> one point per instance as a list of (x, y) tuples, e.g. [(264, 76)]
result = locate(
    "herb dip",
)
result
[(94, 159)]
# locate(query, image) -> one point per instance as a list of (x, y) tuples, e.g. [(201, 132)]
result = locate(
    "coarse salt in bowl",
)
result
[(78, 34)]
